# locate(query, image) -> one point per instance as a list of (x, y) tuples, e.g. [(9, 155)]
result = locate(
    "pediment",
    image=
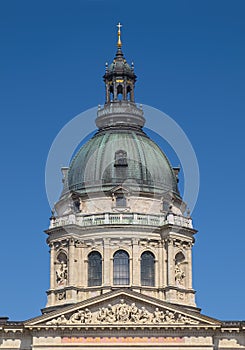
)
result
[(120, 189), (122, 308)]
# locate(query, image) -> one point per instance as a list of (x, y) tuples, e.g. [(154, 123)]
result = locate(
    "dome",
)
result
[(121, 157), (120, 66), (120, 153)]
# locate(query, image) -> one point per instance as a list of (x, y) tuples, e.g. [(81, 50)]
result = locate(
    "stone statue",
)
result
[(144, 315), (134, 313), (169, 317), (61, 274), (123, 311), (158, 316), (179, 274)]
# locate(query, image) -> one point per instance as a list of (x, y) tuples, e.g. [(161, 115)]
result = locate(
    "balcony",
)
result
[(121, 219)]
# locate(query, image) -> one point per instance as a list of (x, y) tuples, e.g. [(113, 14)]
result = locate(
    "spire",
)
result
[(119, 43)]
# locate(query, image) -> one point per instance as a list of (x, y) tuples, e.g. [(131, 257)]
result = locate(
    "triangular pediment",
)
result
[(120, 189), (122, 308)]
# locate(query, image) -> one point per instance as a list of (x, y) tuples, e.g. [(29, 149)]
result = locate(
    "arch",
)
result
[(147, 268), (179, 258), (121, 268), (62, 257), (129, 93), (94, 269), (119, 92), (111, 93)]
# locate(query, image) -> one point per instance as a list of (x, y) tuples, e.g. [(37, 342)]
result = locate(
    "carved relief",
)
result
[(61, 296), (180, 296), (179, 274), (123, 313)]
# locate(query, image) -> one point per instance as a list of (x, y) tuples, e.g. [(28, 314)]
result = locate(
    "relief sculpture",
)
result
[(122, 313)]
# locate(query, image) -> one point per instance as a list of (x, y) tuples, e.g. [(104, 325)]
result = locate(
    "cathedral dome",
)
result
[(124, 157), (120, 154)]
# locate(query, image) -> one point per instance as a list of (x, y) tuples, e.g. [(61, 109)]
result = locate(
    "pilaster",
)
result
[(106, 263), (135, 263)]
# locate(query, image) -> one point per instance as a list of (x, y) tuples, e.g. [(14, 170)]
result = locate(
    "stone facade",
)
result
[(123, 319), (72, 237)]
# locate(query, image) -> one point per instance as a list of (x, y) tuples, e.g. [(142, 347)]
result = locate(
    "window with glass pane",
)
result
[(121, 200), (121, 268), (147, 269), (94, 269)]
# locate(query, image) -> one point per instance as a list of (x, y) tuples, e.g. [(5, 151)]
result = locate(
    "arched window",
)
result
[(179, 258), (62, 258), (128, 93), (119, 92), (147, 269), (121, 268), (94, 269)]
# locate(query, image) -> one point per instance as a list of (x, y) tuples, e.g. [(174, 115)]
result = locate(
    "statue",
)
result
[(61, 274), (110, 314), (158, 316), (144, 315), (179, 274), (134, 313), (122, 311)]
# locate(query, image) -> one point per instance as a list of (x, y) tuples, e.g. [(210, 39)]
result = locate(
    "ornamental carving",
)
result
[(122, 313), (179, 274)]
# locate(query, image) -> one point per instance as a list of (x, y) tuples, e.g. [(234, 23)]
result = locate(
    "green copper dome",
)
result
[(120, 154), (121, 158)]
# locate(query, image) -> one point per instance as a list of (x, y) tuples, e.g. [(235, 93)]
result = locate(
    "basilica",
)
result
[(121, 243)]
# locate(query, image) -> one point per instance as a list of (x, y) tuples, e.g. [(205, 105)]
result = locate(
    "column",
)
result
[(164, 264), (135, 263), (170, 263), (125, 89), (160, 269), (71, 262), (106, 262), (189, 260), (52, 266)]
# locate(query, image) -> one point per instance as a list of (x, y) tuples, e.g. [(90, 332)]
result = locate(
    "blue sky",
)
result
[(189, 58)]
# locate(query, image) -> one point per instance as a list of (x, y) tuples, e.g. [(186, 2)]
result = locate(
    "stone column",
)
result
[(52, 266), (189, 266), (164, 264), (107, 94), (160, 265), (106, 263), (170, 263), (132, 94), (114, 91), (135, 263), (125, 89), (71, 262)]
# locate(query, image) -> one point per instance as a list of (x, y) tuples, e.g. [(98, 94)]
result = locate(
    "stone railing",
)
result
[(121, 219)]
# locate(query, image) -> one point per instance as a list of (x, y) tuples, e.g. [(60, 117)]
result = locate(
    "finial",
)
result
[(119, 43)]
